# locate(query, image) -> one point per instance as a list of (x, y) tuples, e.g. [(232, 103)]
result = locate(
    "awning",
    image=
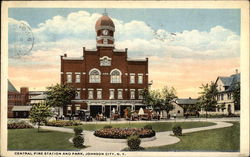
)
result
[(21, 108)]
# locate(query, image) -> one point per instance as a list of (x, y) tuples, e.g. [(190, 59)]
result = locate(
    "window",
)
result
[(99, 94), (78, 78), (140, 94), (90, 94), (77, 95), (140, 78), (69, 78), (120, 94), (105, 61), (132, 78), (132, 94), (178, 111), (222, 97), (69, 110), (111, 94), (105, 41), (218, 97), (116, 76), (229, 96), (77, 108), (94, 76)]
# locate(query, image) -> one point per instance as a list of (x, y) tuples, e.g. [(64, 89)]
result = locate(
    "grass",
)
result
[(30, 139), (157, 126), (224, 139)]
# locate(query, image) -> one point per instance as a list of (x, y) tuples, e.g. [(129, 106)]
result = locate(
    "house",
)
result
[(226, 86), (105, 78)]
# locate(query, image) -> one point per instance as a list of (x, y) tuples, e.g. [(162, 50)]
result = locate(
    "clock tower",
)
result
[(105, 29)]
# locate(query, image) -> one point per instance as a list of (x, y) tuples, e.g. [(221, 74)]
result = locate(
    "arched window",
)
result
[(94, 76), (116, 76)]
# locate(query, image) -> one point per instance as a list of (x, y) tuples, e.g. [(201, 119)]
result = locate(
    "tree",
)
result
[(236, 96), (146, 97), (168, 95), (207, 99), (60, 95), (39, 113)]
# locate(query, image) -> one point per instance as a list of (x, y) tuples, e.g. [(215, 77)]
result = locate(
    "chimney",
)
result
[(236, 71), (65, 55), (24, 90)]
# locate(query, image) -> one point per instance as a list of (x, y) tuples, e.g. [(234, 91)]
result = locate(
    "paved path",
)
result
[(162, 138)]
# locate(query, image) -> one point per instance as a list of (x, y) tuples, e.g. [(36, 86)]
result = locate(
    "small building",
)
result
[(226, 86)]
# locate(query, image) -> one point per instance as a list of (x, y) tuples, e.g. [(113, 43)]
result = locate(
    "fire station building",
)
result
[(105, 78)]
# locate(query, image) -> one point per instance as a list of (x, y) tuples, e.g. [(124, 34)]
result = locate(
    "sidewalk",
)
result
[(162, 138)]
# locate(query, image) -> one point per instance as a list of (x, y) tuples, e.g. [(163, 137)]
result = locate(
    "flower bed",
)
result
[(122, 133), (19, 125), (61, 123)]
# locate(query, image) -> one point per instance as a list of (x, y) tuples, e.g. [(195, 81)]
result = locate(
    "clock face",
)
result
[(105, 32)]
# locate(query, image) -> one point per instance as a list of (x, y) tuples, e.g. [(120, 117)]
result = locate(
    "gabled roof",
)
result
[(11, 87), (186, 101), (226, 80), (230, 81)]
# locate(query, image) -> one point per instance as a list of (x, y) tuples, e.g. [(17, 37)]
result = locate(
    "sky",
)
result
[(186, 47)]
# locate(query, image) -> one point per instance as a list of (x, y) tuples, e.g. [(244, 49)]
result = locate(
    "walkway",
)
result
[(162, 138)]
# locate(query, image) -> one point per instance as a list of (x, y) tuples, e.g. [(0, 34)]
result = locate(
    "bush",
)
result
[(19, 125), (78, 141), (107, 126), (148, 126), (177, 130), (62, 123), (78, 130), (134, 142)]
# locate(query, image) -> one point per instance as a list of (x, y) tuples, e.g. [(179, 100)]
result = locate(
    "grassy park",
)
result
[(224, 139), (30, 139)]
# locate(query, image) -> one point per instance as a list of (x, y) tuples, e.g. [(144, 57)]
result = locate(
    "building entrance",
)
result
[(94, 110)]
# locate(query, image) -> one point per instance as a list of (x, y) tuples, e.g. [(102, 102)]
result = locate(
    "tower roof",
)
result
[(104, 22)]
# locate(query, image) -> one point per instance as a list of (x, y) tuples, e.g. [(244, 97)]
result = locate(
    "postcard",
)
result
[(121, 78)]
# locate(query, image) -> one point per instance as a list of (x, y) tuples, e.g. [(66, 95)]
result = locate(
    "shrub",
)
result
[(107, 126), (19, 125), (61, 123), (78, 130), (78, 141), (177, 130), (134, 142), (148, 126)]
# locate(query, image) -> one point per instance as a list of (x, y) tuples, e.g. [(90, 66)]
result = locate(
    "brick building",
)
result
[(17, 99), (104, 77)]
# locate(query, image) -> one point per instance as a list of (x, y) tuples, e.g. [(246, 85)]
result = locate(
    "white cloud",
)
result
[(78, 29)]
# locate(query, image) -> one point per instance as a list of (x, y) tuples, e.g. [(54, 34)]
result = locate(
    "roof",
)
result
[(21, 108), (11, 87), (36, 92), (230, 81), (39, 97), (186, 101), (104, 21), (137, 59)]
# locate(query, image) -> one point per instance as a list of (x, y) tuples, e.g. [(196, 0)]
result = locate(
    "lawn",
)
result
[(157, 126), (30, 139), (224, 139)]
